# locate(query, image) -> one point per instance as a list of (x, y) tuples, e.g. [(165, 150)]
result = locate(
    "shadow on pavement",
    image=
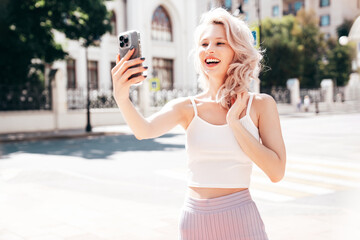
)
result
[(89, 148)]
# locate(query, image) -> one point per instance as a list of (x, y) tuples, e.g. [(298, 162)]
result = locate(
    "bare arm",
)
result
[(270, 156), (151, 127), (155, 125)]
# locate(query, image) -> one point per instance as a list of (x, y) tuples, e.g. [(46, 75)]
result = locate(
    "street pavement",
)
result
[(112, 186)]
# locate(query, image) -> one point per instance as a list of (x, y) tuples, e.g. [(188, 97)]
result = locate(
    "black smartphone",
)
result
[(126, 41)]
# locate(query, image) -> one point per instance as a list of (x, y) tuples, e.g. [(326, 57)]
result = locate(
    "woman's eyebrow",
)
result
[(215, 38)]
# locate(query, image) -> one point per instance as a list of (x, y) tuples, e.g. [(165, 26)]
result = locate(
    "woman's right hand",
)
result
[(121, 72)]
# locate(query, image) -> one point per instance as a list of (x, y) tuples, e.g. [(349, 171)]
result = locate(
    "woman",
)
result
[(224, 125)]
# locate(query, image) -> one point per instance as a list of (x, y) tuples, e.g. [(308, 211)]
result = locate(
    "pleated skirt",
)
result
[(230, 217)]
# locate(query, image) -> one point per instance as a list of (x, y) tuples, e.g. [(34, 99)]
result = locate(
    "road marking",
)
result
[(174, 174), (292, 186), (326, 162), (323, 179), (270, 196), (305, 177), (330, 171)]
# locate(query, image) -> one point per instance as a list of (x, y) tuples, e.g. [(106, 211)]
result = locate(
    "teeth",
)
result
[(211, 60)]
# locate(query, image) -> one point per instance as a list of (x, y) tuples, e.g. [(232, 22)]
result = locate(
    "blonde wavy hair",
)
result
[(245, 65)]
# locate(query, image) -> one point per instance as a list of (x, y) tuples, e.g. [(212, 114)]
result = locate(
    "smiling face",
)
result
[(215, 52)]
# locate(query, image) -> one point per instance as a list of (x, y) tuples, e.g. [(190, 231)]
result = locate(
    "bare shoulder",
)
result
[(264, 102), (183, 107), (179, 104)]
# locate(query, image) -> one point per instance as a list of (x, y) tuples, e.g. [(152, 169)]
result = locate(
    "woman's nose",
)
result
[(210, 49)]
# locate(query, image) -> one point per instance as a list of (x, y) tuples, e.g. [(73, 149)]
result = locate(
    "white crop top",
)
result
[(215, 158)]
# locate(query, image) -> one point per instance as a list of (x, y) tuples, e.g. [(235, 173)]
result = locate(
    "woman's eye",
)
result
[(204, 44), (220, 43)]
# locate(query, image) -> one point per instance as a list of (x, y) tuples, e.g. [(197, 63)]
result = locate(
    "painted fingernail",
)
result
[(145, 76), (142, 58), (132, 47), (146, 67)]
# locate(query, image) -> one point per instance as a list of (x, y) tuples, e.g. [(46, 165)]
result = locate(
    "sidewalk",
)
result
[(285, 111)]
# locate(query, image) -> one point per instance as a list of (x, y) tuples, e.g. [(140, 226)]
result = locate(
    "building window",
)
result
[(325, 20), (112, 65), (297, 6), (163, 69), (275, 11), (324, 3), (227, 4), (71, 73), (161, 25), (93, 75), (113, 23), (246, 1)]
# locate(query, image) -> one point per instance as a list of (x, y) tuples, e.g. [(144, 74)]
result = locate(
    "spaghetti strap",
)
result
[(249, 103), (194, 105)]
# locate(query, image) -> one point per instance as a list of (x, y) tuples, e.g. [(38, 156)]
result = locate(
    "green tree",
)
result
[(337, 65), (311, 41), (27, 39), (282, 53), (344, 28), (293, 47)]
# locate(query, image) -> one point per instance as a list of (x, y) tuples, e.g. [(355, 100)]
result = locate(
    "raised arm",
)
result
[(270, 156), (157, 124)]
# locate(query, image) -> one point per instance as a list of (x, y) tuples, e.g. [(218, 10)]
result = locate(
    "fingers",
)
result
[(121, 67), (136, 80), (130, 64), (119, 61), (132, 71), (128, 54)]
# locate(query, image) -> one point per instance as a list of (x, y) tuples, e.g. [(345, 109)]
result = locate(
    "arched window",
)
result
[(161, 25), (113, 23)]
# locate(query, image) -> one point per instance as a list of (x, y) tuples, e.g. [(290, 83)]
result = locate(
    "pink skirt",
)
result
[(230, 217)]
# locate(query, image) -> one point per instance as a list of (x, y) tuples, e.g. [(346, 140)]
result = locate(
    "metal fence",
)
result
[(160, 98), (339, 94), (16, 98), (76, 98), (315, 94), (280, 94)]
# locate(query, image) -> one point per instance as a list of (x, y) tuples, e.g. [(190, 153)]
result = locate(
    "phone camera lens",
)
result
[(121, 44), (126, 40), (121, 38)]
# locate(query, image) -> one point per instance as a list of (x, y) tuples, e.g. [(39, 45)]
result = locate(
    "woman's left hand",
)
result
[(237, 107)]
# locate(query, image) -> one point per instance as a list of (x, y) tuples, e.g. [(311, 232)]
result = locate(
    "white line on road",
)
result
[(291, 186), (326, 162), (269, 196), (178, 175), (325, 170), (323, 179)]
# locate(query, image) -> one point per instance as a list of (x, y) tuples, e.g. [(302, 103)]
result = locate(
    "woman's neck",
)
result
[(214, 86)]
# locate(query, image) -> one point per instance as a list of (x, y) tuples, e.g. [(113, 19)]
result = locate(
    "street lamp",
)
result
[(343, 40), (259, 19), (88, 127), (86, 44)]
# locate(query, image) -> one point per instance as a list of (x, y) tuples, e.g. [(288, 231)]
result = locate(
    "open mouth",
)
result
[(212, 61)]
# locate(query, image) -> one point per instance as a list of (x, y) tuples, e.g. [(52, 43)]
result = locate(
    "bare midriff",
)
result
[(207, 193)]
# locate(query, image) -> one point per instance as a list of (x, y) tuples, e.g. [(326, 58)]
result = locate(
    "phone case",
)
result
[(126, 40)]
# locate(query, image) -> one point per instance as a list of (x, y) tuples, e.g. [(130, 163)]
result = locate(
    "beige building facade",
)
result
[(331, 13)]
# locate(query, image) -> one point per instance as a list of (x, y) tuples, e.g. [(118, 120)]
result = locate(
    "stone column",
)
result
[(59, 98), (136, 22), (294, 86), (328, 86)]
